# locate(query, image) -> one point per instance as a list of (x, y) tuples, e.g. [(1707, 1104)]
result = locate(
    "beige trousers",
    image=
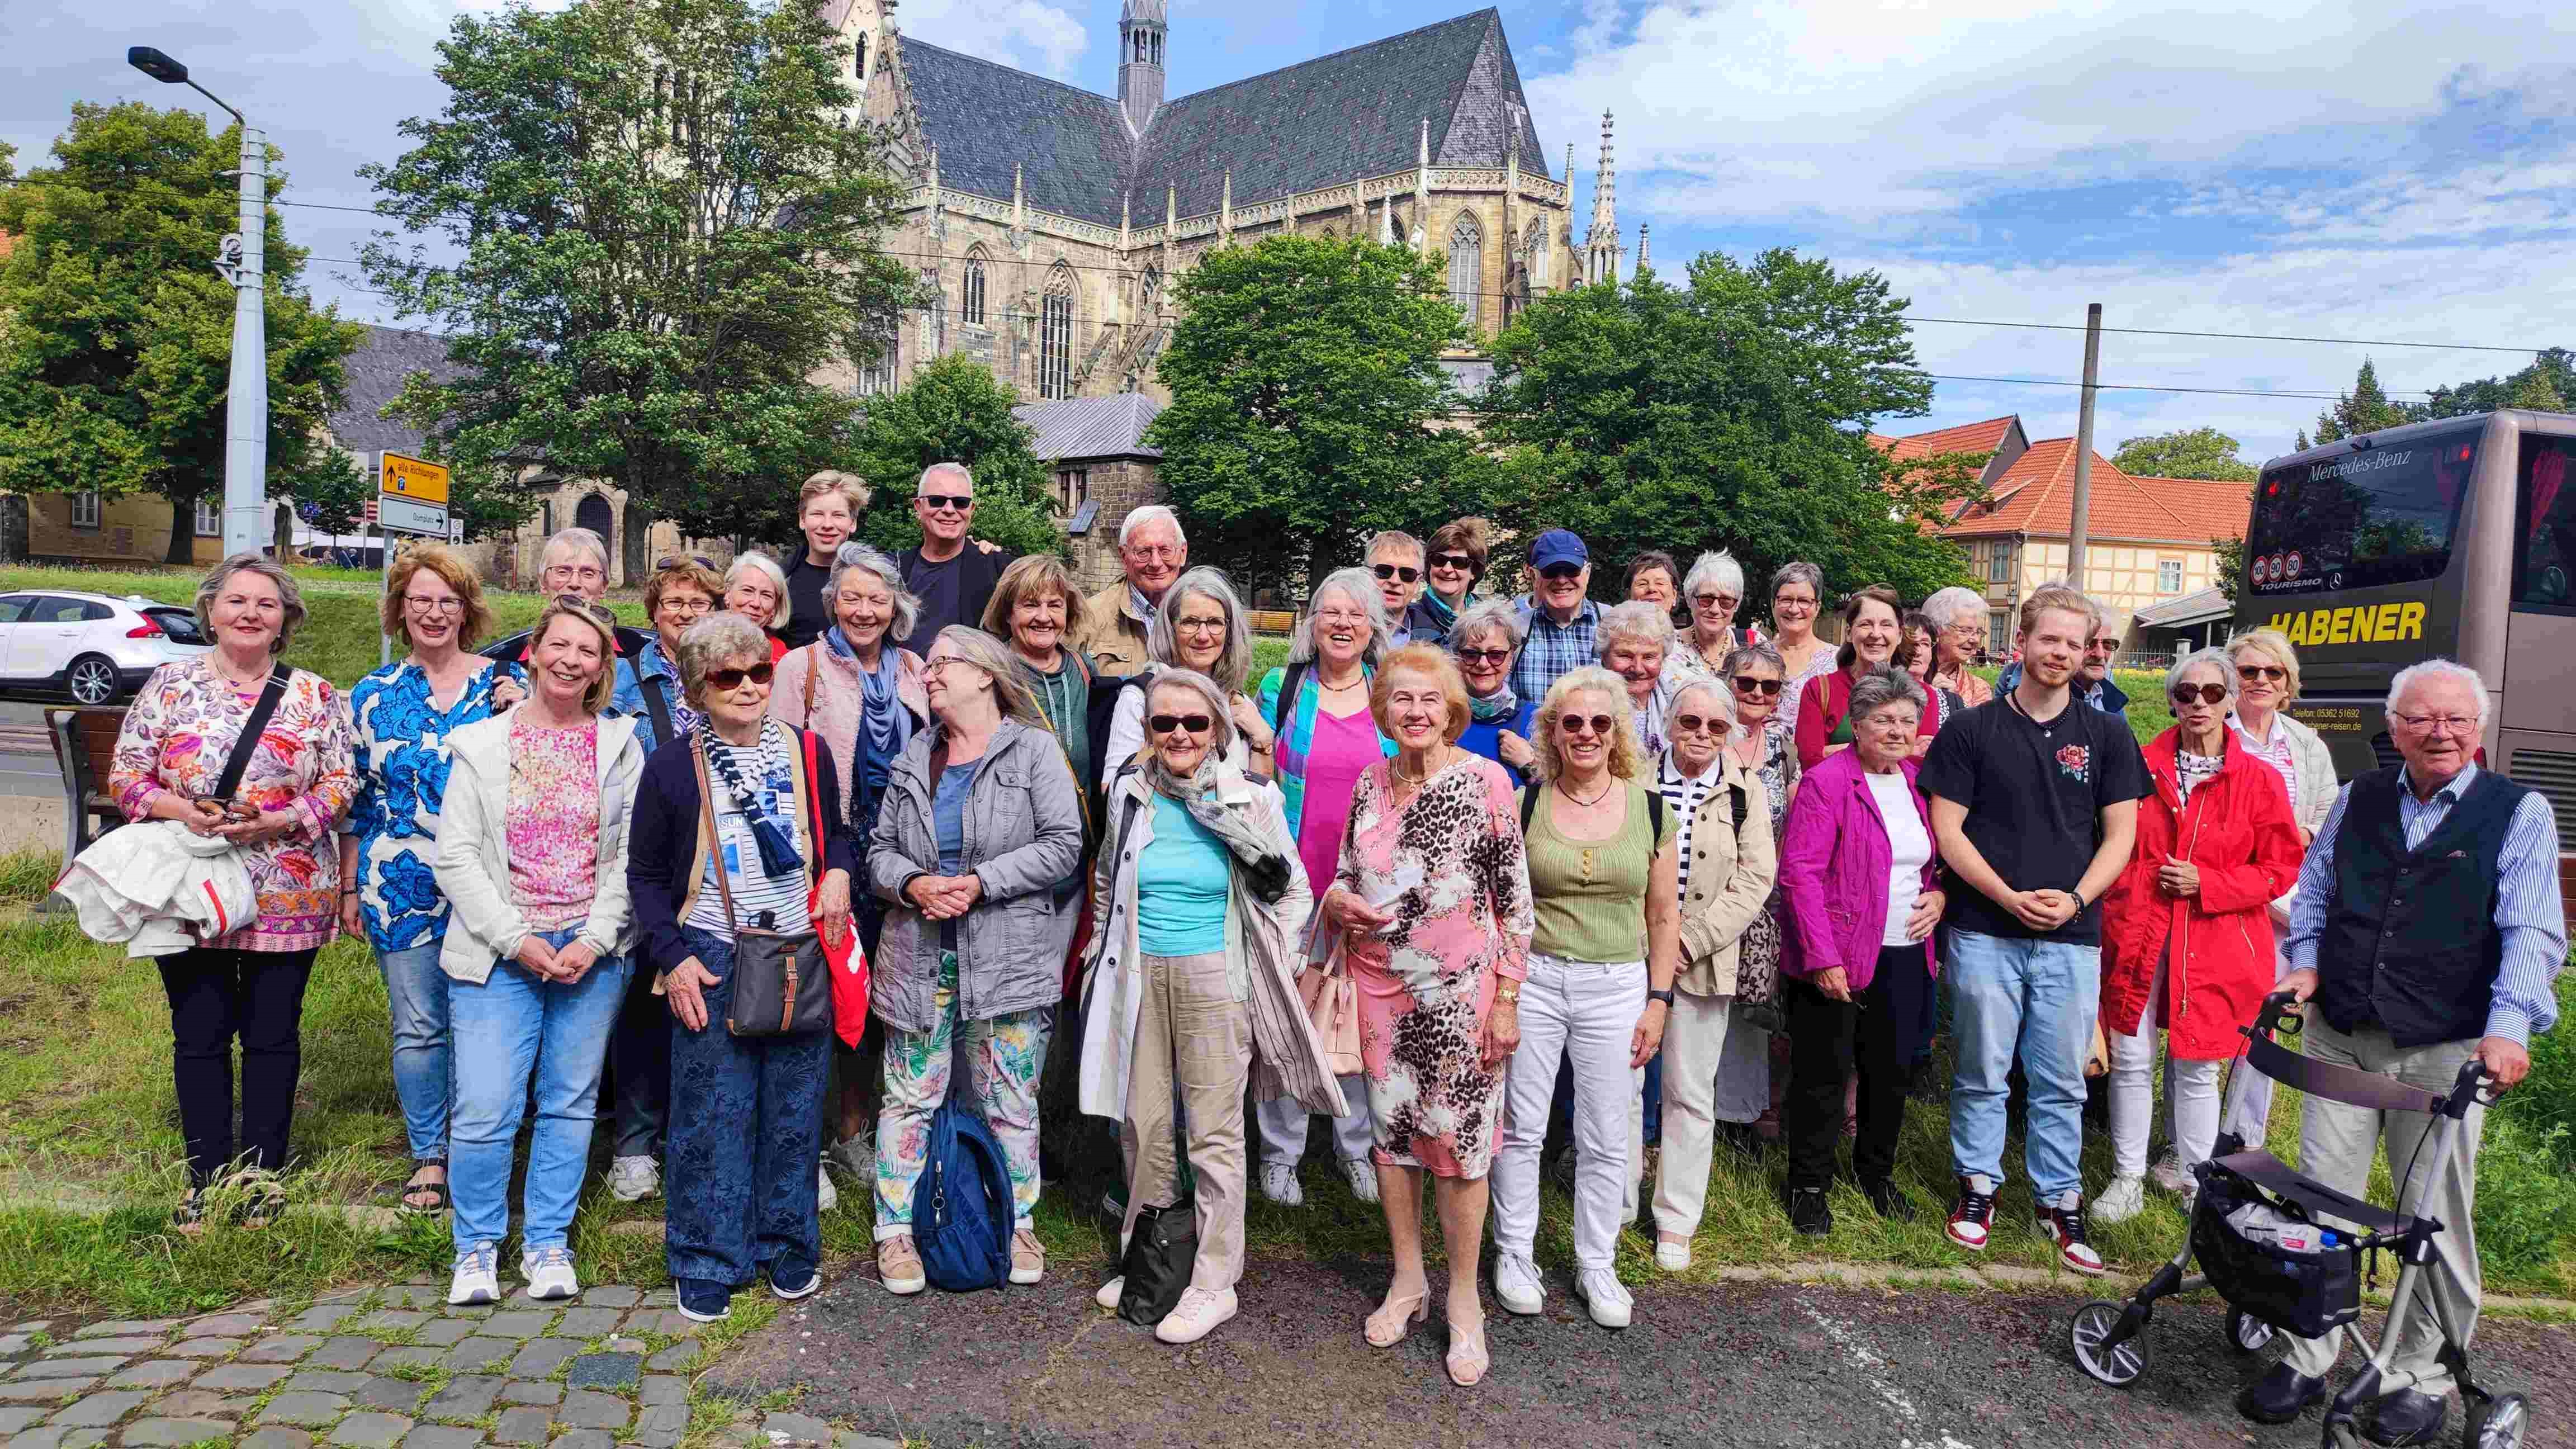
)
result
[(1694, 1046), (1193, 1043)]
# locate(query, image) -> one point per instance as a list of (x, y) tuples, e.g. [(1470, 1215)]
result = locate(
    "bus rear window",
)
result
[(2374, 516)]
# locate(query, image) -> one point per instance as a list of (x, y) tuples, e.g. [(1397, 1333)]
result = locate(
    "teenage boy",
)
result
[(827, 512)]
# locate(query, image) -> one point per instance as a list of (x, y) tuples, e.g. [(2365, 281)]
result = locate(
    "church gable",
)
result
[(1489, 113), (1069, 146)]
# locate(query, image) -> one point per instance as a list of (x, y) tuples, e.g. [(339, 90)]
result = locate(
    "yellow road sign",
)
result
[(412, 478)]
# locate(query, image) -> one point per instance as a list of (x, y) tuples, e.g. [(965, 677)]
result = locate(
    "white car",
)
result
[(94, 647)]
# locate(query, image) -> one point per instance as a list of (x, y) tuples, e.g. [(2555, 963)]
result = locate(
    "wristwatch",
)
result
[(1509, 991), (1665, 996)]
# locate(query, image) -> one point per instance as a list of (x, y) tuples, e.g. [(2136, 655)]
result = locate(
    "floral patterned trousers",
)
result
[(1004, 1056)]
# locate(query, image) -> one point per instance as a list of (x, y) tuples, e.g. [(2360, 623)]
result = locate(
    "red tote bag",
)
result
[(847, 958)]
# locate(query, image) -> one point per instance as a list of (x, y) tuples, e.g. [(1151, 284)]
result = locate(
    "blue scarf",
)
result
[(1445, 617), (885, 727)]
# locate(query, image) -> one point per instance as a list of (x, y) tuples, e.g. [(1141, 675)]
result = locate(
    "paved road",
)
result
[(26, 761), (1726, 1365)]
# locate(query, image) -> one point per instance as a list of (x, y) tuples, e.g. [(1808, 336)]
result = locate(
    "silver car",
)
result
[(94, 647)]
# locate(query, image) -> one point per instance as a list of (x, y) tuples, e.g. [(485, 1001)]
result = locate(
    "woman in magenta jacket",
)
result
[(2186, 933), (1860, 886)]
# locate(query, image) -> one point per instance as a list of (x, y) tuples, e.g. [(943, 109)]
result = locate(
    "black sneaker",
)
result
[(1972, 1216), (2062, 1222), (2408, 1416), (2280, 1396), (1887, 1200), (1809, 1213)]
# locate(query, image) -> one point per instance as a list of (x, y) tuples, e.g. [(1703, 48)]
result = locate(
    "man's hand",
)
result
[(685, 988), (1925, 915), (2506, 1060), (2301, 984), (2032, 909)]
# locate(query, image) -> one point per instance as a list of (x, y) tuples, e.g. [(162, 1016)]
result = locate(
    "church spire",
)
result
[(1225, 212), (1601, 246), (1643, 265), (1141, 28)]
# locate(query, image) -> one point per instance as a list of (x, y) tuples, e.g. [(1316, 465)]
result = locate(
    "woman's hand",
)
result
[(536, 956), (1832, 982), (945, 897), (202, 817), (506, 694), (2179, 877), (1516, 752), (1649, 1036), (1346, 910), (1249, 723), (573, 962), (352, 920), (259, 829), (1502, 1034), (832, 905), (1925, 915), (685, 988)]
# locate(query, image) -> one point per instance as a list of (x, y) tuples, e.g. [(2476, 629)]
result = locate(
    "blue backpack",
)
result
[(961, 1209)]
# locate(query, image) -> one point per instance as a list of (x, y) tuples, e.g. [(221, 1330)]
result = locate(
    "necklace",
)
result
[(215, 662), (1579, 800), (1330, 688), (1431, 765)]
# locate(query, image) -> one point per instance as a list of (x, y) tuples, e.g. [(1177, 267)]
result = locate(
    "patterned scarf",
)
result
[(1440, 613), (1501, 704), (778, 855), (1266, 869)]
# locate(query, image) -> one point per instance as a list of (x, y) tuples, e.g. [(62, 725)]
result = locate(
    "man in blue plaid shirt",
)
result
[(1558, 618)]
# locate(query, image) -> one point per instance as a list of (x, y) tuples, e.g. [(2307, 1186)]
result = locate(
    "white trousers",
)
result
[(1283, 1127), (1583, 1012), (2191, 1094), (2253, 1117)]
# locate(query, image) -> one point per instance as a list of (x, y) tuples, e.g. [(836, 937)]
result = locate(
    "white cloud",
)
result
[(1027, 34)]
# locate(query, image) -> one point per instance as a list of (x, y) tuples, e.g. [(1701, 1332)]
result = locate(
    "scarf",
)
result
[(778, 855), (885, 726), (1502, 704), (1440, 613), (1265, 868)]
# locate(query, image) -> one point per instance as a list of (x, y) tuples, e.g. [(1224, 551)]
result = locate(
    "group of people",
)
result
[(1464, 868)]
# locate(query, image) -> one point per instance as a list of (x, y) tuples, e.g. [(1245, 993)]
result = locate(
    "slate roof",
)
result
[(1091, 427), (2036, 496), (1071, 146), (377, 372)]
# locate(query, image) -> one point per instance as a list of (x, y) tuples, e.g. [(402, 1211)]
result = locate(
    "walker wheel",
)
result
[(2499, 1423), (2245, 1332), (2117, 1364)]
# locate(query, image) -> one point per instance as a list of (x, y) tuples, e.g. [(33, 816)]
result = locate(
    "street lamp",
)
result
[(243, 261)]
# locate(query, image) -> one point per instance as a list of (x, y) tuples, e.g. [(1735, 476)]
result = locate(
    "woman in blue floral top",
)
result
[(404, 714)]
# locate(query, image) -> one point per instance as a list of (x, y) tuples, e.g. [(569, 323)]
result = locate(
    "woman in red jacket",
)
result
[(2186, 936)]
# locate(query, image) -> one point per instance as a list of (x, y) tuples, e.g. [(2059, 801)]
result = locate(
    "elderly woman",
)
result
[(1604, 873), (1958, 619), (402, 717), (681, 592), (1199, 626), (532, 852), (1756, 678), (1653, 578), (1432, 901), (1030, 610), (1872, 631), (1451, 565), (1484, 642), (1726, 871), (756, 588), (1797, 596), (2187, 926), (1861, 881), (1203, 902), (981, 820), (1632, 642), (1917, 644), (706, 863), (1325, 738), (296, 780), (1713, 592)]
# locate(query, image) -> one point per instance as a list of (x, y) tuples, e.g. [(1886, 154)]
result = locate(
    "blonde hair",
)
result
[(2064, 601), (2272, 642), (448, 567), (850, 486), (1431, 660), (756, 562), (1627, 760), (603, 687), (1011, 693)]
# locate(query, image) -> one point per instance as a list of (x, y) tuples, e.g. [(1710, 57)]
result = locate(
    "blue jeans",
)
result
[(2037, 997), (416, 996), (509, 1029), (746, 1139)]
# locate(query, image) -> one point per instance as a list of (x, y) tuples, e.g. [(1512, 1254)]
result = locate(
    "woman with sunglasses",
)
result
[(1484, 641), (1711, 594), (2187, 927), (1604, 871), (1873, 628), (1200, 627), (1797, 596), (756, 588), (1459, 549), (981, 819), (1758, 680), (1202, 904)]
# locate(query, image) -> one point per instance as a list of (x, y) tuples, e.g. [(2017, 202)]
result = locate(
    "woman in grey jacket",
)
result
[(980, 819)]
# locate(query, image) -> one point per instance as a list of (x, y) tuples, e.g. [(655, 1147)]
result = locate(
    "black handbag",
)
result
[(781, 983), (1157, 1265)]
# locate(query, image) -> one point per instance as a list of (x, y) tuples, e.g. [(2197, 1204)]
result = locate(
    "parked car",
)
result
[(96, 648)]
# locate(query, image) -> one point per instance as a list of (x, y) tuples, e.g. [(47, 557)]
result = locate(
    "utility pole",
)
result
[(243, 260), (2083, 500)]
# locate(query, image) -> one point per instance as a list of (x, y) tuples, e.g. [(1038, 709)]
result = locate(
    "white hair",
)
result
[(1360, 587), (577, 537), (1635, 620), (1948, 606), (2216, 658), (2439, 668), (1718, 694), (1715, 570), (756, 562), (1151, 513), (959, 469)]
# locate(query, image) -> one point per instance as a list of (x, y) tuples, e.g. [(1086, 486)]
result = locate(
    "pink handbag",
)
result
[(1333, 1004)]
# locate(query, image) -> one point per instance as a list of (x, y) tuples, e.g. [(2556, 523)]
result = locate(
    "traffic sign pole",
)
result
[(411, 495)]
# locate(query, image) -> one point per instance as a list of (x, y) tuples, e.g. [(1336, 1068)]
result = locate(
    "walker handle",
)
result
[(2475, 1085), (2280, 1015)]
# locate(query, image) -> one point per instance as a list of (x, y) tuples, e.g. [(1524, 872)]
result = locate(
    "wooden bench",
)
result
[(1270, 621), (85, 750)]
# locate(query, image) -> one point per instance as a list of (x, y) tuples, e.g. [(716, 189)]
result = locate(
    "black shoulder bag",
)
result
[(239, 761)]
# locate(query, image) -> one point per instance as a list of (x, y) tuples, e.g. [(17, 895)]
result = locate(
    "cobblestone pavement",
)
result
[(386, 1368)]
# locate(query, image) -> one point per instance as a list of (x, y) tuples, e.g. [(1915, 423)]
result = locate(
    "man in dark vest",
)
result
[(2427, 930)]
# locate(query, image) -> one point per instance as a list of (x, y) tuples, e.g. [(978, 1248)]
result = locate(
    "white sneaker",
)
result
[(1603, 1293), (549, 1273), (1516, 1283), (633, 1179), (826, 1196), (1107, 1297), (855, 1158), (1196, 1315), (1672, 1257), (2125, 1198), (2169, 1174), (478, 1276), (1362, 1175), (1279, 1184)]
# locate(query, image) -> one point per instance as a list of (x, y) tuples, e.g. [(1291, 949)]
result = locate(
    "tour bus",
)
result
[(2455, 537)]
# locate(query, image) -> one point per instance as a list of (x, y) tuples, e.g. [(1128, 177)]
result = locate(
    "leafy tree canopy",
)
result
[(2365, 409), (2544, 385), (954, 411), (116, 357), (2189, 453)]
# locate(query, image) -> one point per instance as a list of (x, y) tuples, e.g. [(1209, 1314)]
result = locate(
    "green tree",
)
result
[(667, 231), (116, 360), (1308, 403), (2189, 453), (2365, 409), (2230, 553), (954, 411), (1731, 412), (2551, 375)]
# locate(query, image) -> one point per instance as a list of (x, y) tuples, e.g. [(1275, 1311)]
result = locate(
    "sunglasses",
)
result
[(1453, 561), (2184, 694), (1697, 724), (1559, 573), (1483, 656), (726, 679), (958, 501), (1747, 684), (1714, 601), (591, 607), (672, 561), (1197, 724), (1396, 571), (1576, 724), (2252, 672)]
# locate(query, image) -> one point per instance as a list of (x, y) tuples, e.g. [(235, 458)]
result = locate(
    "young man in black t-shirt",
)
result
[(2035, 806)]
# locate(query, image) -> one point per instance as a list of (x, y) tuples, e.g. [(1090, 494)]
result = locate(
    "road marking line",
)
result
[(1869, 1361)]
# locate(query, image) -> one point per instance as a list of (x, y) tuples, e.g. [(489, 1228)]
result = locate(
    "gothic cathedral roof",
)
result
[(1322, 122)]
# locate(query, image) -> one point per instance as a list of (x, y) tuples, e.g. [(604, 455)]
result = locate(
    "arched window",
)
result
[(1467, 267), (1534, 247), (1149, 291), (1055, 336), (860, 67), (971, 288)]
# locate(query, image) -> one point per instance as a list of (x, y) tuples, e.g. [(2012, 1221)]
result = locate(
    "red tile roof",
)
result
[(1983, 437), (2036, 496)]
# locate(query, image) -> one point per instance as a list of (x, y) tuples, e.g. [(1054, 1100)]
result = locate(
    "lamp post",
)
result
[(243, 261)]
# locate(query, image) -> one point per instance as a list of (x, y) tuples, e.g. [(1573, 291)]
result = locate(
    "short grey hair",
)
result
[(2440, 668), (1394, 538), (1799, 571), (1745, 654), (756, 562), (1209, 692), (576, 537), (1162, 632), (2216, 658), (1948, 606), (992, 657), (714, 642), (1360, 587), (959, 469), (1715, 570), (1149, 514), (868, 559), (1885, 685), (1493, 616), (1637, 619), (1723, 696), (290, 598)]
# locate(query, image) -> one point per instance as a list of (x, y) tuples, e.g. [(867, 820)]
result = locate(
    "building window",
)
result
[(971, 291), (2169, 576), (1467, 267), (546, 518), (1998, 632), (85, 508), (210, 518), (878, 373), (1072, 487), (1999, 563), (1055, 337), (859, 67)]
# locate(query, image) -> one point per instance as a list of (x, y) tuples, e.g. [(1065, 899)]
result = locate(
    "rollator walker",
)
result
[(2310, 1289)]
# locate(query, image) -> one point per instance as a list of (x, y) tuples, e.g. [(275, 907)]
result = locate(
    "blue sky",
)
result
[(2377, 171)]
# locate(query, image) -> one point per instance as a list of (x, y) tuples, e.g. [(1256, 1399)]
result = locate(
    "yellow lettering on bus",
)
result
[(2294, 627), (2340, 630), (2365, 626), (2410, 621)]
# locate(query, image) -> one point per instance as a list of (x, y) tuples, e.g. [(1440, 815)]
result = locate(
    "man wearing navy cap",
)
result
[(1558, 615)]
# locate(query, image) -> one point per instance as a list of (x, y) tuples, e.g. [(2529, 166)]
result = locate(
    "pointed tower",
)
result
[(1141, 24), (1643, 264), (1601, 247)]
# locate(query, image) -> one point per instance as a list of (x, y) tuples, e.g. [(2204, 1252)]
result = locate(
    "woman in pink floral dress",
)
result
[(1432, 900), (248, 983)]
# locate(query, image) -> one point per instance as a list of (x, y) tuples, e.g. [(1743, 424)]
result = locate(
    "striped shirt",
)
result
[(2528, 911), (1553, 650), (738, 855), (2275, 752), (1683, 797)]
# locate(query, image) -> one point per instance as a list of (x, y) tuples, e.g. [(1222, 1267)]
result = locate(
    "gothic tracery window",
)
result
[(1055, 336), (971, 289), (1467, 267)]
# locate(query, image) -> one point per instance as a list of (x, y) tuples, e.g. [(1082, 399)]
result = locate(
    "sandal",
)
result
[(1392, 1322), (415, 1188), (189, 1216), (1467, 1357), (263, 1198)]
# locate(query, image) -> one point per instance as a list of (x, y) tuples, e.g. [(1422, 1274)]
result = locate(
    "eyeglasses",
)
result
[(1484, 656), (1747, 684), (2253, 673), (1697, 724), (583, 572), (2103, 646), (726, 679), (691, 606), (2443, 724), (1150, 552), (1716, 601), (1576, 724), (957, 501), (1405, 572), (672, 561), (1197, 724), (1341, 616), (1198, 624), (1559, 573), (1457, 561), (419, 605), (2184, 694)]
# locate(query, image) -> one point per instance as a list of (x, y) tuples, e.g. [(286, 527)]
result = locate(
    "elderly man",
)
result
[(2427, 930), (575, 561), (1395, 558), (954, 582), (1558, 616), (1152, 552)]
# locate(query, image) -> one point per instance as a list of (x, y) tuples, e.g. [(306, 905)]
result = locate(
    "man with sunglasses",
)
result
[(953, 582), (1560, 621), (1395, 559)]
